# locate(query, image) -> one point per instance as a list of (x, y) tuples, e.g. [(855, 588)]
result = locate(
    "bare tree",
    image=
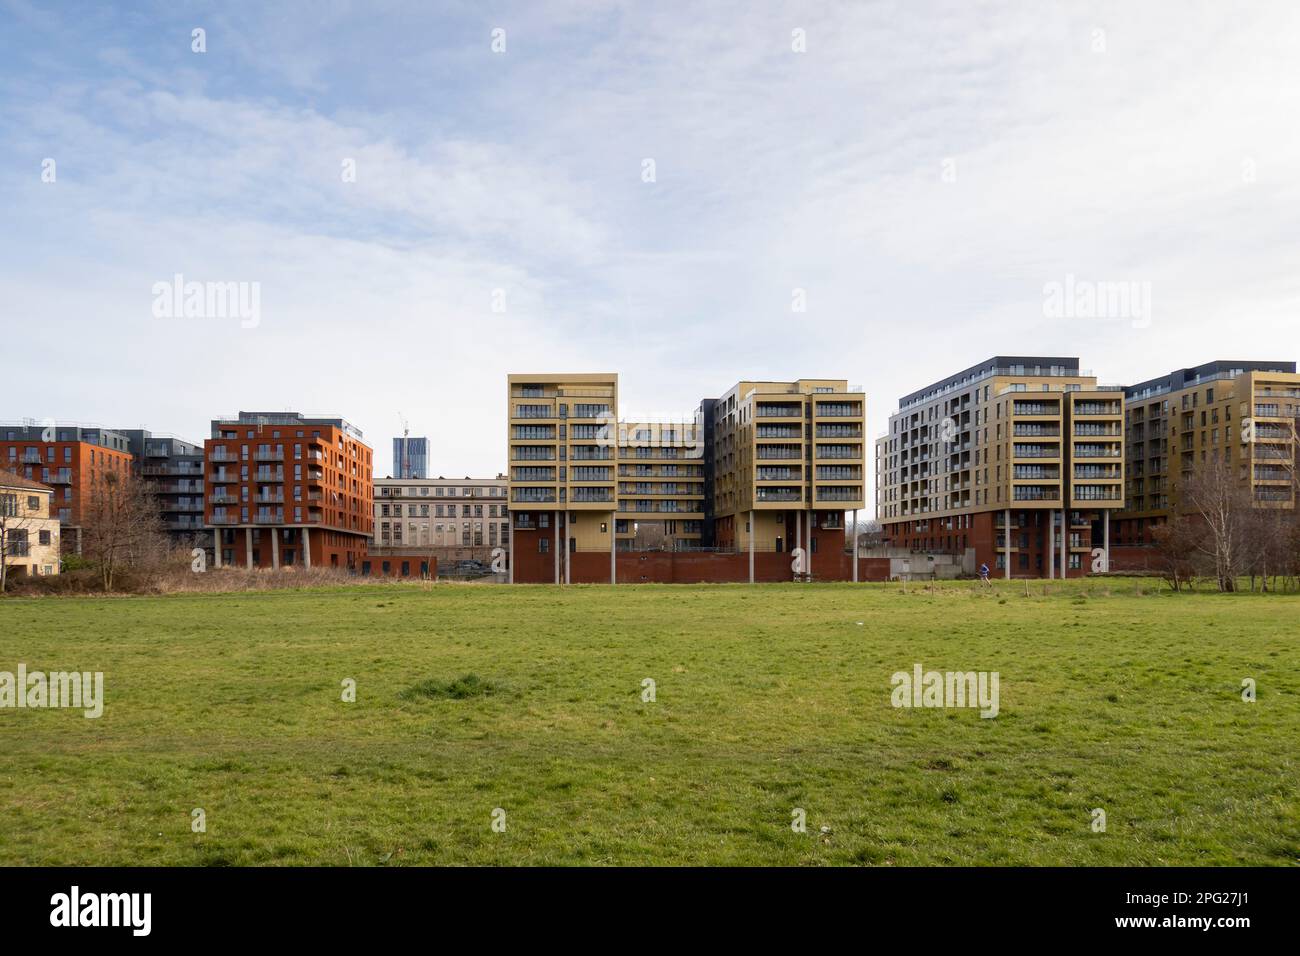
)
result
[(1215, 496), (121, 527), (1177, 544), (870, 532)]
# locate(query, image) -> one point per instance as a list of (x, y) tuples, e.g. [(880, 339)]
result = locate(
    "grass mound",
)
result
[(462, 688)]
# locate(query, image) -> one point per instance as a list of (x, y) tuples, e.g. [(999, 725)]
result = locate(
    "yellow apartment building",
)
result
[(1017, 463), (1241, 412)]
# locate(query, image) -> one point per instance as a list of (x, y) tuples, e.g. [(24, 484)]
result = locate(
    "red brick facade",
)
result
[(272, 486), (71, 468), (830, 562), (981, 531)]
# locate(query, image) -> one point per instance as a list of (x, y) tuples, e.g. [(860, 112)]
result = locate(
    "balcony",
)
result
[(839, 431), (533, 496), (1035, 451), (1035, 493), (1096, 451), (1032, 409), (838, 410), (839, 494), (838, 451), (275, 477), (777, 494)]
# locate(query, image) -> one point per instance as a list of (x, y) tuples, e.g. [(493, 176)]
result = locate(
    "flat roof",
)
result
[(1025, 365), (1208, 371)]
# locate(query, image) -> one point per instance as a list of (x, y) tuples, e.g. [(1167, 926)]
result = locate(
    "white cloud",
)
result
[(820, 170)]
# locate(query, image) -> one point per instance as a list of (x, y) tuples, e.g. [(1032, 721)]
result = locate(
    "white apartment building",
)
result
[(456, 519)]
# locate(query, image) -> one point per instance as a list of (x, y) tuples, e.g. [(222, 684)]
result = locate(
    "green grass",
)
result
[(769, 698)]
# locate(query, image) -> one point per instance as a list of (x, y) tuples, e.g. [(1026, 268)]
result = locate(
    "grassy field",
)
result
[(769, 698)]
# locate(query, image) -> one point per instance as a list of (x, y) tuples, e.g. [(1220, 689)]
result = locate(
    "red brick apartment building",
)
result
[(285, 490), (71, 459)]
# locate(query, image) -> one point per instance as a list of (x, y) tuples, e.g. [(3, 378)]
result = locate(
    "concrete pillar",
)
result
[(1006, 544), (306, 547), (275, 549), (216, 547), (613, 542), (556, 546), (510, 566), (798, 532), (855, 545), (568, 544), (1065, 544), (248, 546), (1105, 539), (808, 551), (751, 546), (1051, 545)]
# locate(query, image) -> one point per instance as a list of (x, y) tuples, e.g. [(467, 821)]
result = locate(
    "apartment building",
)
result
[(1017, 462), (411, 457), (286, 489), (29, 534), (1242, 412), (72, 459), (461, 519), (172, 470), (590, 494), (787, 463)]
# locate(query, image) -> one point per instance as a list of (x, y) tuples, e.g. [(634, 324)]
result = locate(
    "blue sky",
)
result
[(921, 171)]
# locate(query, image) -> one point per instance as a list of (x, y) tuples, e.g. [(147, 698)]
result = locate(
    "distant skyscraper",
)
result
[(410, 458)]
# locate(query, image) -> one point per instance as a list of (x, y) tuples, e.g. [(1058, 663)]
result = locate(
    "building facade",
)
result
[(1017, 463), (788, 462), (463, 519), (72, 459), (172, 470), (1242, 413), (410, 457), (782, 458), (29, 534), (286, 489)]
